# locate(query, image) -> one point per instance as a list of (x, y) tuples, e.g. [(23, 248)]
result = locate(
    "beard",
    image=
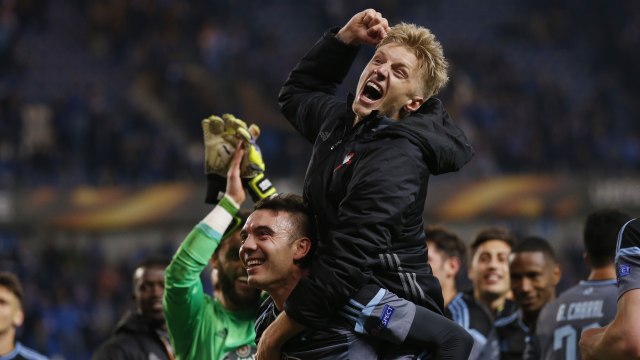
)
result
[(226, 283)]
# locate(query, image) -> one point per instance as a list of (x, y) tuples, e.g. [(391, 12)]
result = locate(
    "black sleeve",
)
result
[(628, 257), (307, 98)]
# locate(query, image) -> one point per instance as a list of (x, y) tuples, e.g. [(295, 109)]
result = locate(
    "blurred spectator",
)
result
[(12, 317), (147, 72)]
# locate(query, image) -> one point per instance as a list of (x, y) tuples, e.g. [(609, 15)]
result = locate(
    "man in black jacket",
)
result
[(142, 335), (367, 178)]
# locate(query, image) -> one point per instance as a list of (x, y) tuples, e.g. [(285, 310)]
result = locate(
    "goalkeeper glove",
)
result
[(220, 141), (252, 164)]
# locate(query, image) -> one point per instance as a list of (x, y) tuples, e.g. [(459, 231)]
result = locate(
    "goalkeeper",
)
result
[(219, 326)]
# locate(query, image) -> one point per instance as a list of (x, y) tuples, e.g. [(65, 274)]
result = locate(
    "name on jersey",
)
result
[(580, 310)]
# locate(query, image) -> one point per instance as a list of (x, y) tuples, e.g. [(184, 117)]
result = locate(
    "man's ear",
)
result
[(18, 318), (302, 246), (557, 274), (414, 103), (454, 264), (587, 259), (214, 261)]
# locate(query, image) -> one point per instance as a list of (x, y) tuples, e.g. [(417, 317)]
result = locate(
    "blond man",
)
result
[(367, 179)]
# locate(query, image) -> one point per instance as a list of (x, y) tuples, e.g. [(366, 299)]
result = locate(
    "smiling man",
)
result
[(277, 245), (367, 179), (534, 274), (489, 269), (142, 333)]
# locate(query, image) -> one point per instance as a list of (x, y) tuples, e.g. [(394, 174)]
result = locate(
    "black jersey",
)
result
[(473, 317), (586, 305), (628, 257), (328, 343)]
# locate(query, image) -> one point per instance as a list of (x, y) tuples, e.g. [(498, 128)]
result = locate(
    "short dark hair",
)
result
[(535, 244), (154, 261), (492, 233), (600, 235), (303, 218), (446, 241), (12, 283)]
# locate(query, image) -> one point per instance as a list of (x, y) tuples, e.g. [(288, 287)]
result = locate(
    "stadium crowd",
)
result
[(535, 86)]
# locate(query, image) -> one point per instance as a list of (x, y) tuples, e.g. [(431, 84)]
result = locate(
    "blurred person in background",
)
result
[(490, 298), (535, 273), (447, 254), (591, 303), (142, 334), (11, 318), (489, 270), (620, 339)]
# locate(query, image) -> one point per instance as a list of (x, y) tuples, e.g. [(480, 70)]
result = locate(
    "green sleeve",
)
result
[(183, 293)]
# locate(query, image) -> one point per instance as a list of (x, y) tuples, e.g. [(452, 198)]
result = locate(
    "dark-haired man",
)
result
[(489, 300), (534, 272), (12, 317), (591, 303), (619, 339), (142, 334), (447, 256)]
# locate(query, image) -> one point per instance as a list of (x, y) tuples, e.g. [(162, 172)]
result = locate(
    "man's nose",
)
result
[(247, 246), (526, 285), (381, 71), (158, 290)]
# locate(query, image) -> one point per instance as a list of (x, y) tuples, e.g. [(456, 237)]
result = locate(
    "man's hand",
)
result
[(365, 27), (588, 341), (221, 136), (252, 163), (220, 141), (234, 184), (272, 339)]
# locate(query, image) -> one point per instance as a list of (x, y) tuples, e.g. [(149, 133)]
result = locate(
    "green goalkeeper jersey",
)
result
[(200, 327)]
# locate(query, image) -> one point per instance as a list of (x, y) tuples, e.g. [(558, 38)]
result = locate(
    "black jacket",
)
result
[(367, 186), (134, 339)]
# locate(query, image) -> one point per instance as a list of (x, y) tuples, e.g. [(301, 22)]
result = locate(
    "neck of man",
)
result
[(603, 273), (356, 120), (7, 341), (449, 291), (529, 318), (280, 292), (491, 301)]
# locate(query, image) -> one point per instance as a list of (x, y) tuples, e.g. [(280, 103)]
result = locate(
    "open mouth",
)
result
[(372, 91), (492, 278)]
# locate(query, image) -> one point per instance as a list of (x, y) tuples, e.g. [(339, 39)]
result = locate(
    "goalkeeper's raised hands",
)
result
[(221, 136)]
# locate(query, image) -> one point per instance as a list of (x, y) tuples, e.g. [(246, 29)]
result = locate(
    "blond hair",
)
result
[(427, 50)]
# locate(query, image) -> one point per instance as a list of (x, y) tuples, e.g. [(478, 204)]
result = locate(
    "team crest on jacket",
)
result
[(346, 161)]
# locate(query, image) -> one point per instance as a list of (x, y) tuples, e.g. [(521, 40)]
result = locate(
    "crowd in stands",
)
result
[(111, 92)]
